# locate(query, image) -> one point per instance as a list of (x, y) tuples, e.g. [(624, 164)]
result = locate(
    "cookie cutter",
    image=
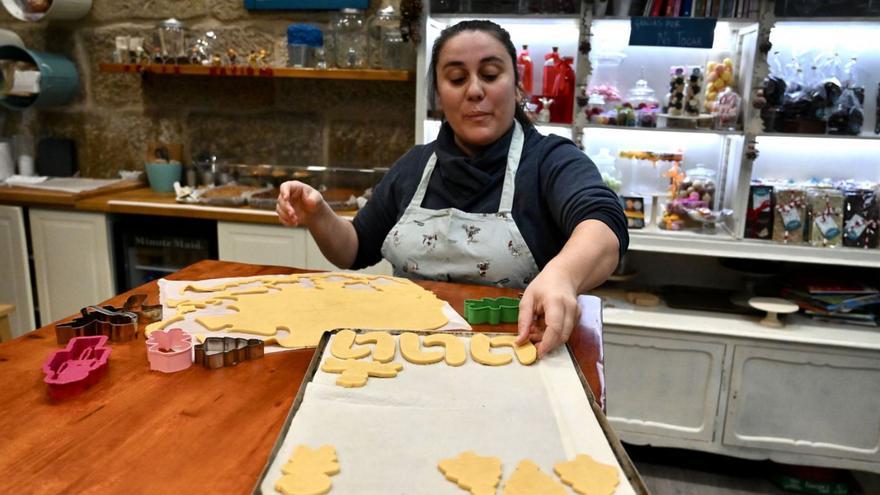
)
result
[(491, 310), (79, 366), (218, 352), (146, 313), (119, 326), (169, 350)]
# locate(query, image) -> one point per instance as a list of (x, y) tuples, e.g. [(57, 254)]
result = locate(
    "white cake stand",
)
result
[(773, 306)]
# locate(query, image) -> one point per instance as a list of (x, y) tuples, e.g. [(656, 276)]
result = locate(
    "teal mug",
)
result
[(162, 176)]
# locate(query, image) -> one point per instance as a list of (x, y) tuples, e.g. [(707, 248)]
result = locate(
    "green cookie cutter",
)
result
[(491, 310)]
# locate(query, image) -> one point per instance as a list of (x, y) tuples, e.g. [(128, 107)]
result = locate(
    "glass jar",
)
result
[(605, 78), (698, 186), (606, 163), (644, 103), (350, 39), (171, 40), (386, 22)]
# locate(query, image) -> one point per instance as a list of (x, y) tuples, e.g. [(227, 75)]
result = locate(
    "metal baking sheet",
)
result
[(635, 483)]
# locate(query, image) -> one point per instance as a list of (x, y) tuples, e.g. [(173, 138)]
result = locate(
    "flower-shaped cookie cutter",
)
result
[(119, 326), (169, 350), (218, 352), (491, 310), (77, 367)]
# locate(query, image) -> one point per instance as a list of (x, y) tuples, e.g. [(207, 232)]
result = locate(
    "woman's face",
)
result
[(476, 86)]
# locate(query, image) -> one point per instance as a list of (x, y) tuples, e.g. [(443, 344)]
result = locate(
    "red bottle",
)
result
[(524, 66), (551, 60), (563, 92)]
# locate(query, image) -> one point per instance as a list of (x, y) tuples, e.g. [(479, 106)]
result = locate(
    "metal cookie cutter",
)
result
[(119, 326), (146, 313), (491, 310), (72, 370), (218, 352)]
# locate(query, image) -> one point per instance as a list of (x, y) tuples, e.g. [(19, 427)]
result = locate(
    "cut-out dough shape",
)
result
[(526, 354), (410, 349), (160, 325), (528, 479), (355, 373), (456, 354), (341, 346), (308, 471), (386, 347), (307, 311), (480, 351), (480, 475), (588, 477)]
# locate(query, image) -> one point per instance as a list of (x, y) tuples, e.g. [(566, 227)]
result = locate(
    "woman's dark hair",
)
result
[(488, 27)]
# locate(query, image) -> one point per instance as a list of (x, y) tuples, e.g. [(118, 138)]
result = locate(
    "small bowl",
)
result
[(162, 176)]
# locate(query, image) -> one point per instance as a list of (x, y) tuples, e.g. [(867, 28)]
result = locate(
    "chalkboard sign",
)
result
[(683, 32), (305, 4)]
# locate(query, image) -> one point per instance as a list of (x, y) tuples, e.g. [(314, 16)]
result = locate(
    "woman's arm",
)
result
[(588, 258), (301, 204)]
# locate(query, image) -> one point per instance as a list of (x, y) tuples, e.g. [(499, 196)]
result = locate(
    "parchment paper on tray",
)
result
[(171, 292), (390, 434)]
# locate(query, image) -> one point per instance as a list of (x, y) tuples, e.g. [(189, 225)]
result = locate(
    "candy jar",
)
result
[(726, 110), (350, 39), (171, 40), (605, 77), (642, 100), (595, 109), (719, 76)]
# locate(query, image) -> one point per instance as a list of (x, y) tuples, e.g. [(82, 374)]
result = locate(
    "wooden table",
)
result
[(196, 431)]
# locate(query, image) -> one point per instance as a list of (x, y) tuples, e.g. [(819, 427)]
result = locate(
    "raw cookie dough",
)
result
[(480, 475), (456, 354), (341, 346), (480, 352), (386, 347), (528, 479), (526, 354), (410, 349), (308, 471), (355, 373), (588, 477), (160, 325)]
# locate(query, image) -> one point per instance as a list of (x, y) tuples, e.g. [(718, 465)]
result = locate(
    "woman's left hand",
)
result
[(553, 295)]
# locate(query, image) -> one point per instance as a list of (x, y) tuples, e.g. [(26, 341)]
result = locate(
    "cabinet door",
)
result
[(71, 261), (262, 244), (818, 402), (16, 288), (662, 386)]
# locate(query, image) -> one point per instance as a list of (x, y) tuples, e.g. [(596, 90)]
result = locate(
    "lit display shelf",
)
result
[(662, 129), (723, 246)]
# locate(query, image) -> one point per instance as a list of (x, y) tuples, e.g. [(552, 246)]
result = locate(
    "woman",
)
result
[(491, 201)]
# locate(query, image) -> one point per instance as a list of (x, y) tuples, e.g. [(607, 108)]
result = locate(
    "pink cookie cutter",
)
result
[(169, 350), (77, 367)]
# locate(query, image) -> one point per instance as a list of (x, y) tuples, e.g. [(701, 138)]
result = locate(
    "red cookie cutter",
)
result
[(79, 366)]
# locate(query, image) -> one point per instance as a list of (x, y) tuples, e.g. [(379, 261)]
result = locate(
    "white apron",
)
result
[(451, 245)]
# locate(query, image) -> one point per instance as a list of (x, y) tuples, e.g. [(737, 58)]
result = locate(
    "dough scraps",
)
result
[(588, 477), (528, 479), (526, 354), (480, 344), (386, 346), (341, 346), (307, 305), (410, 349), (308, 471), (480, 475), (354, 373), (456, 355)]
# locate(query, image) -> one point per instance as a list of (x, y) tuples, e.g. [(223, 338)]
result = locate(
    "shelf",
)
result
[(798, 329), (663, 129), (723, 246), (731, 20), (275, 72), (861, 137)]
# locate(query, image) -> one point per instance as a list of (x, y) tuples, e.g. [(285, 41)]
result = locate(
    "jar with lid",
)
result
[(644, 103), (171, 40), (388, 50), (694, 192), (606, 73), (606, 163), (350, 39)]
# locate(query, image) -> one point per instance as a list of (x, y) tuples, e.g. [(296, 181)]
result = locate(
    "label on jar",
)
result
[(791, 218), (827, 226), (855, 226)]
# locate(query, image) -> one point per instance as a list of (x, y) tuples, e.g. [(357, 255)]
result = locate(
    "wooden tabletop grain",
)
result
[(197, 431)]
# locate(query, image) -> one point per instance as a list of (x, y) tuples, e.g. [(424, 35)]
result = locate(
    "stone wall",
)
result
[(243, 120)]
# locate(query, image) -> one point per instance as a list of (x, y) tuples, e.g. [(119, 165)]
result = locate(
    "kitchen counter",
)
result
[(27, 196)]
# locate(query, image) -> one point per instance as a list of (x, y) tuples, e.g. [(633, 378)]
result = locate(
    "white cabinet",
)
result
[(811, 402), (673, 391), (16, 286), (71, 261), (277, 245)]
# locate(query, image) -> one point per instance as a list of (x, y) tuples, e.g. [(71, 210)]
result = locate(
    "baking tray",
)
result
[(626, 465)]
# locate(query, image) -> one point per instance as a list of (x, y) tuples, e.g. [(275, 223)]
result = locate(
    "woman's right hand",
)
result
[(297, 202)]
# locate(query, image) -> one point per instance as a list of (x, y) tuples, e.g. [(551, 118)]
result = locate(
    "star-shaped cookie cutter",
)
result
[(491, 310), (218, 352)]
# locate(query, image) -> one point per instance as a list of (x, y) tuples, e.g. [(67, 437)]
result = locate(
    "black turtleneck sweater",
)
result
[(557, 187)]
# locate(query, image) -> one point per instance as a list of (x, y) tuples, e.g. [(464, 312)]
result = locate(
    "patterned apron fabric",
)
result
[(452, 245)]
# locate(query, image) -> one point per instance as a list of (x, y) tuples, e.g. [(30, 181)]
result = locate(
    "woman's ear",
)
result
[(520, 93)]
